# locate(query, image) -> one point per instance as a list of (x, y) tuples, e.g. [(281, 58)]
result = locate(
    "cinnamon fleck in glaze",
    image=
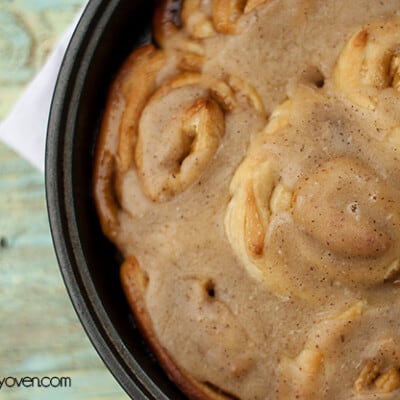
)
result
[(248, 172)]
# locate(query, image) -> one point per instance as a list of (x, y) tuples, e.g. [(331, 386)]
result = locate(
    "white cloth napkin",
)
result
[(24, 129)]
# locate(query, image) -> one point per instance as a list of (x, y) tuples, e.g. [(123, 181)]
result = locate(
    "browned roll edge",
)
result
[(134, 282), (104, 162), (104, 188)]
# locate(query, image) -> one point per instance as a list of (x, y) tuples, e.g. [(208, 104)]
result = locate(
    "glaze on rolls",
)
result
[(370, 63), (247, 171), (167, 143), (374, 373), (167, 167), (368, 74), (322, 198)]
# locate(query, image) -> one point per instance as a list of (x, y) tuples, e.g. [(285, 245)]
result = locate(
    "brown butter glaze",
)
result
[(322, 277)]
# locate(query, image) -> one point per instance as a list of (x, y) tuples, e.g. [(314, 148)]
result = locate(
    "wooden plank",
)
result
[(28, 31), (40, 334)]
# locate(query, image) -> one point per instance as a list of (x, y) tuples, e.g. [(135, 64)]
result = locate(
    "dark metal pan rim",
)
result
[(81, 250)]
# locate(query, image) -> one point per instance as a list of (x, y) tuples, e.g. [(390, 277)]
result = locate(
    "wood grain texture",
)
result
[(28, 31), (40, 334)]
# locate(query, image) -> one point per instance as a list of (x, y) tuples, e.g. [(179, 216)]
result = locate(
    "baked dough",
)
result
[(247, 170), (334, 212), (370, 63)]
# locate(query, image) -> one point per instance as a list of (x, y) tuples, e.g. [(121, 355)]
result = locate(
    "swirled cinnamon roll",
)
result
[(368, 74), (226, 336), (169, 123), (308, 200), (303, 377), (375, 369), (167, 167), (370, 64)]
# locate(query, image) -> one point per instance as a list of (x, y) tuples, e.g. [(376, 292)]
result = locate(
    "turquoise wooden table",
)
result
[(41, 339)]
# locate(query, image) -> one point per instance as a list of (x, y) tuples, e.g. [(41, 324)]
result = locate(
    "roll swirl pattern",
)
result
[(375, 371), (173, 157), (164, 121), (323, 221), (370, 64)]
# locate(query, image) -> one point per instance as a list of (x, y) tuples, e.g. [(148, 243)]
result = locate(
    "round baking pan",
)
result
[(107, 32)]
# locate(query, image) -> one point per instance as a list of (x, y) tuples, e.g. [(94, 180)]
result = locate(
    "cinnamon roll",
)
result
[(168, 166), (368, 74), (370, 63), (247, 170), (339, 213), (223, 329), (303, 376), (374, 370), (167, 142)]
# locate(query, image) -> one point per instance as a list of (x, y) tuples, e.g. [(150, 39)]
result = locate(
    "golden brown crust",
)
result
[(104, 165), (146, 63), (106, 203), (369, 63), (166, 20), (196, 19), (134, 282), (226, 13), (118, 132)]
